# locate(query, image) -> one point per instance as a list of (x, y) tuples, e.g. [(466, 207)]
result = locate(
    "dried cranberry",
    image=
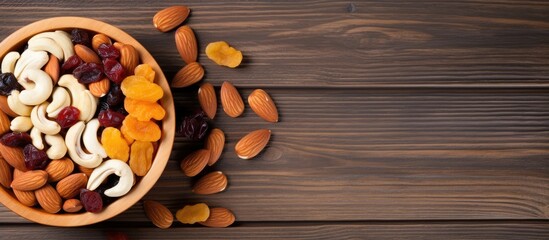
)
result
[(91, 200), (88, 73), (68, 116), (79, 36), (8, 82), (71, 63), (16, 139), (110, 118), (114, 70), (194, 126), (115, 96), (108, 51), (35, 158)]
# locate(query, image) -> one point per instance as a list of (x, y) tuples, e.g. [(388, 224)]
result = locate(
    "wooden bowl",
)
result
[(17, 40)]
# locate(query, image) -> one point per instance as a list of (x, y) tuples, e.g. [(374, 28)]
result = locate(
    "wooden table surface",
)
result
[(399, 119)]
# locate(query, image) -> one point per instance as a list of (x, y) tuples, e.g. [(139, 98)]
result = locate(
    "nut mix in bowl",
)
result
[(87, 121)]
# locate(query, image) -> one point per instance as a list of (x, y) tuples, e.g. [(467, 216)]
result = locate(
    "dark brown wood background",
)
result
[(399, 119)]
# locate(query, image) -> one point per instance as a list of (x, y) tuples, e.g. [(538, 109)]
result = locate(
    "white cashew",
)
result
[(29, 60), (57, 149), (36, 137), (17, 106), (38, 118), (60, 100), (87, 104), (72, 84), (8, 63), (46, 44), (21, 124), (78, 155), (91, 142), (63, 40), (113, 166), (42, 90)]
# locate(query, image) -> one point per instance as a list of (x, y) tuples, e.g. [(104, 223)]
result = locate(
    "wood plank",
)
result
[(340, 43)]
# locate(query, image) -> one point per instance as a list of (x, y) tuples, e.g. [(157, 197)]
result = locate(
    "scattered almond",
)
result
[(262, 104), (99, 39), (100, 88), (185, 41), (231, 100), (13, 156), (211, 183), (219, 218), (169, 18), (129, 58), (30, 180), (27, 198), (52, 68), (70, 186), (5, 173), (159, 214), (188, 75), (5, 107), (207, 99), (215, 143), (252, 144), (195, 162), (72, 205), (4, 123), (59, 169), (48, 199), (86, 54)]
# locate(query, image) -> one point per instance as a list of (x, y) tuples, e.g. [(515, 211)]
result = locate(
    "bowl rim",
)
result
[(165, 144)]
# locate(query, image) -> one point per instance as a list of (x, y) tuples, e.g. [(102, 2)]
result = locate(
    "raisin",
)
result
[(79, 36), (88, 73), (222, 54), (108, 51), (110, 118), (115, 96), (8, 83), (114, 70), (16, 139), (194, 126), (68, 116), (191, 214), (91, 200), (35, 158), (70, 64)]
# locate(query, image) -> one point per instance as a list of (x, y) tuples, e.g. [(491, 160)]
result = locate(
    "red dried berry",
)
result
[(110, 118), (79, 36), (16, 139), (114, 70), (8, 83), (88, 73), (108, 51), (35, 158), (91, 200), (71, 63), (115, 96), (68, 116)]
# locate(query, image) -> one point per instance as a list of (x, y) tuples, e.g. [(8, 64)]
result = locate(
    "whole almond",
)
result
[(4, 123), (30, 180), (13, 156), (48, 199), (59, 169), (86, 54), (215, 143), (219, 218), (85, 170), (52, 68), (207, 99), (27, 198), (6, 176), (72, 205), (159, 214), (188, 75), (100, 88), (195, 162), (231, 100), (99, 39), (169, 18), (185, 41), (129, 58), (262, 104), (252, 144), (17, 173), (70, 186), (5, 107), (211, 183)]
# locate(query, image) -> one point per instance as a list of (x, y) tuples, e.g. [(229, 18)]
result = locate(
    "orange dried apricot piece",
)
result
[(143, 110), (115, 145), (147, 131), (124, 131), (191, 214), (138, 87), (222, 54), (141, 156), (146, 71)]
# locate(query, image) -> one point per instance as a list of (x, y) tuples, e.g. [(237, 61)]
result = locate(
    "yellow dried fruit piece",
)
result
[(191, 214), (147, 131), (146, 71), (124, 131), (141, 156), (143, 110), (222, 54), (138, 87), (115, 145)]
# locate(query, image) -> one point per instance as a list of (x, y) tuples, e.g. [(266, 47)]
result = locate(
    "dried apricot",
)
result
[(115, 145), (191, 214), (138, 87), (143, 110), (146, 71), (124, 131), (223, 55), (142, 130), (141, 155)]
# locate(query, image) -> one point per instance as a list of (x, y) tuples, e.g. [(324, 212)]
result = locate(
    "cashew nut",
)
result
[(113, 166), (36, 137), (42, 90), (17, 106), (21, 124), (72, 84), (40, 121), (60, 100), (29, 60), (46, 44), (91, 142), (57, 149), (8, 63), (63, 40), (78, 155), (87, 104)]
